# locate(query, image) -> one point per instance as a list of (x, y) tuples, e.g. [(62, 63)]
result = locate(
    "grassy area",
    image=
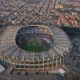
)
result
[(35, 46)]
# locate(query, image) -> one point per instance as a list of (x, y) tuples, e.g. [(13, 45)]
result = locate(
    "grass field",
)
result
[(35, 46)]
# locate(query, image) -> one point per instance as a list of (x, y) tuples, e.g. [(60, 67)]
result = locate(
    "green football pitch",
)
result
[(35, 46)]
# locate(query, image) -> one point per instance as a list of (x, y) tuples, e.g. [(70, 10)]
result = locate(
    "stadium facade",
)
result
[(35, 48)]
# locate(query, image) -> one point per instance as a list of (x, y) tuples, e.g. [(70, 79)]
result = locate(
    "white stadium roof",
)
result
[(61, 46)]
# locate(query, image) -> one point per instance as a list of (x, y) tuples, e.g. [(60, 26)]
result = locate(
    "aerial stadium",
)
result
[(35, 48), (35, 37), (39, 39)]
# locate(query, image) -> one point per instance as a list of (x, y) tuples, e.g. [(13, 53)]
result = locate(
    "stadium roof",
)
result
[(61, 46)]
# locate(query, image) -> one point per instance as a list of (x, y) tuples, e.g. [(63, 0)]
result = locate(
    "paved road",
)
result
[(41, 76)]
